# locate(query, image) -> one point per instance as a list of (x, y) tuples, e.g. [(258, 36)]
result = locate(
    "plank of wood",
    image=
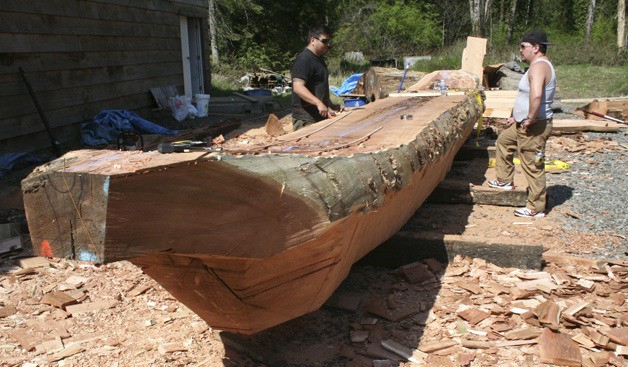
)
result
[(473, 57), (574, 126), (162, 95), (558, 348)]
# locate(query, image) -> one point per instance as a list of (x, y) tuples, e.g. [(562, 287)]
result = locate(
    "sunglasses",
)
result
[(522, 46), (324, 41)]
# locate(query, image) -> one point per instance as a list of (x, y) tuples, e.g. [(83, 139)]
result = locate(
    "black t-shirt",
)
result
[(313, 70)]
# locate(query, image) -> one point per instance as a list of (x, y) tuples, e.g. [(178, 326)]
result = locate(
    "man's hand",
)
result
[(322, 109), (510, 121)]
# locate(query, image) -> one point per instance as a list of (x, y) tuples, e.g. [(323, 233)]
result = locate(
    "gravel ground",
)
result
[(595, 188)]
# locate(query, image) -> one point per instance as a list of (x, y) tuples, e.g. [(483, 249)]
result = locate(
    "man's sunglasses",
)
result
[(324, 41)]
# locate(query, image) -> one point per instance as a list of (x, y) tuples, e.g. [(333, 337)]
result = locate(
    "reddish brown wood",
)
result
[(248, 241)]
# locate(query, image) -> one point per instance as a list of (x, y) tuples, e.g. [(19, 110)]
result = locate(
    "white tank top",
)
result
[(522, 101)]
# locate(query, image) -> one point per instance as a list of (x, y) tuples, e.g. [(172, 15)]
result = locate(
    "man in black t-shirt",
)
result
[(310, 81)]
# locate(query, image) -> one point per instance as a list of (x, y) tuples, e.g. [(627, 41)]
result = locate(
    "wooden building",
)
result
[(83, 56)]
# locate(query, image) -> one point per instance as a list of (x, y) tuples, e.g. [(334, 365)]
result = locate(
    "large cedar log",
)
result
[(248, 240)]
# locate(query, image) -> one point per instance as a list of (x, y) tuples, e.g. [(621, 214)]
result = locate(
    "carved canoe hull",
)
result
[(252, 237)]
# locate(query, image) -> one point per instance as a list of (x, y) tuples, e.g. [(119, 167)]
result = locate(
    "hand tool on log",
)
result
[(184, 147), (53, 142), (602, 116), (403, 78)]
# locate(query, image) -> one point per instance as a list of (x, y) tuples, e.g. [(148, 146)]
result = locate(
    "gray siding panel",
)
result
[(84, 56)]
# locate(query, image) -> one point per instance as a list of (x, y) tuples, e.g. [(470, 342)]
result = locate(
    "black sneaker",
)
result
[(501, 185)]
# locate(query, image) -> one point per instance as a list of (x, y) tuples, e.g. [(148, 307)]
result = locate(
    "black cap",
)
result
[(536, 37)]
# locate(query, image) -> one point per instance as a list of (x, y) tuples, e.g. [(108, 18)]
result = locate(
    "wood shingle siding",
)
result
[(84, 56)]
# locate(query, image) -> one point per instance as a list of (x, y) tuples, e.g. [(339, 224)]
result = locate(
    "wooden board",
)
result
[(574, 126), (473, 57), (324, 196)]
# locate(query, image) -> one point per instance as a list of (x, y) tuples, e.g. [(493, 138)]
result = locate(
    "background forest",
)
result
[(251, 34)]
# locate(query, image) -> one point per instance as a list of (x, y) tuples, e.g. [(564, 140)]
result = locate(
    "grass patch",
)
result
[(587, 81)]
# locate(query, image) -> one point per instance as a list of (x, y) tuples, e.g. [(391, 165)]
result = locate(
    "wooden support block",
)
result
[(558, 348)]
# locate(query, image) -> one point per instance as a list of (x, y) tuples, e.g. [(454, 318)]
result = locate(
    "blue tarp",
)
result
[(347, 86), (107, 125), (17, 160)]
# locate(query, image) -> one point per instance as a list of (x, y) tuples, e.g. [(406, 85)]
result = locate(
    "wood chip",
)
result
[(475, 344), (57, 299), (7, 311), (416, 272), (434, 265), (171, 348), (558, 348), (523, 334), (474, 315), (471, 287), (359, 336), (139, 289), (548, 312), (92, 306), (403, 351), (434, 346), (586, 284), (70, 350), (584, 340), (619, 335)]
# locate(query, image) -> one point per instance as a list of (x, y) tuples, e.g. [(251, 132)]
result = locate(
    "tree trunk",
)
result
[(511, 23), (212, 32), (530, 14), (476, 22), (502, 17), (590, 18), (621, 25)]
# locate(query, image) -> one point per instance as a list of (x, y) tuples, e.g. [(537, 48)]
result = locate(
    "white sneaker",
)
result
[(527, 213), (501, 185)]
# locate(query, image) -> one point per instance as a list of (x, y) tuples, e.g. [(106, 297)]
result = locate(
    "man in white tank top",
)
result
[(529, 126)]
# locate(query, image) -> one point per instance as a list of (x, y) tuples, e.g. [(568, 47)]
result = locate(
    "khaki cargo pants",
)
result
[(526, 144)]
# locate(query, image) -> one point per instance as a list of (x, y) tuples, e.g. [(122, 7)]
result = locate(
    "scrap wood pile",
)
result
[(573, 313)]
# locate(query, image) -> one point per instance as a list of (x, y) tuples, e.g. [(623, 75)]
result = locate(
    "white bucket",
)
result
[(202, 104)]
